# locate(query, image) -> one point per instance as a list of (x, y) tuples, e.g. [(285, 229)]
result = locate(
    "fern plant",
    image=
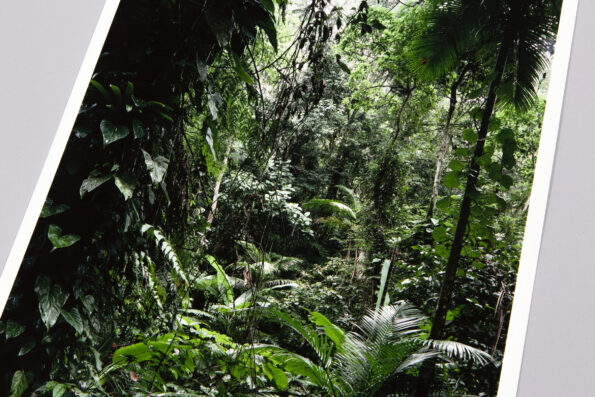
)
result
[(369, 361)]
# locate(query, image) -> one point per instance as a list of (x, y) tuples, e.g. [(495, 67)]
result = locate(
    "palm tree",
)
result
[(518, 33), (368, 362)]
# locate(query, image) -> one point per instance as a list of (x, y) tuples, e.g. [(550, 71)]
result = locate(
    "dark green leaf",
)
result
[(112, 132), (451, 180), (470, 135), (27, 346), (73, 317), (55, 209), (138, 129), (20, 383), (126, 182), (51, 299), (13, 329), (95, 179), (59, 240)]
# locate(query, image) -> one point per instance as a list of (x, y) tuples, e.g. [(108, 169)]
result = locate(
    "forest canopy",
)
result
[(287, 198)]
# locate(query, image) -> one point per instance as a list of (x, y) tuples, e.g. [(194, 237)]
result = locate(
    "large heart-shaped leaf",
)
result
[(95, 179), (112, 132), (51, 300), (157, 166), (126, 182), (60, 240)]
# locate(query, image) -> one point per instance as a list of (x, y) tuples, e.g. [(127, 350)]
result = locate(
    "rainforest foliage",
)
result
[(287, 198)]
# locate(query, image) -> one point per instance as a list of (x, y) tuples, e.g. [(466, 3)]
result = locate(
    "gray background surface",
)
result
[(558, 359), (43, 44)]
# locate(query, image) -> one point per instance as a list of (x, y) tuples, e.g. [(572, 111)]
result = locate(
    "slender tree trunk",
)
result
[(427, 370), (215, 199), (446, 138)]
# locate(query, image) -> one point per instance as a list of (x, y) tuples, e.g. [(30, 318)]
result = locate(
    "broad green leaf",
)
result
[(457, 165), (112, 132), (221, 279), (138, 129), (53, 209), (59, 390), (60, 240), (470, 135), (126, 182), (276, 375), (136, 353), (268, 25), (51, 300), (27, 346), (20, 383), (95, 179), (269, 5), (13, 329), (444, 203), (74, 318), (451, 180), (334, 333), (157, 166)]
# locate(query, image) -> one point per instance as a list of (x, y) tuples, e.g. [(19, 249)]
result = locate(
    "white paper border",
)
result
[(17, 251)]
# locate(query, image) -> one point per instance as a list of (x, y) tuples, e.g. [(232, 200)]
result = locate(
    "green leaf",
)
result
[(383, 281), (60, 240), (506, 181), (276, 375), (20, 383), (451, 180), (13, 329), (239, 68), (27, 346), (137, 353), (51, 299), (59, 390), (457, 165), (95, 179), (268, 25), (444, 203), (117, 93), (269, 5), (74, 318), (470, 135), (138, 129), (334, 333), (222, 279), (53, 209), (129, 89), (157, 167), (97, 85), (126, 182), (112, 132)]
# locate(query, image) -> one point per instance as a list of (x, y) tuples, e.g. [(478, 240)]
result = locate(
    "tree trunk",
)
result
[(427, 370), (446, 138), (215, 199)]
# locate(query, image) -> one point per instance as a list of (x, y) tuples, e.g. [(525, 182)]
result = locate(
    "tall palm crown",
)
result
[(480, 29)]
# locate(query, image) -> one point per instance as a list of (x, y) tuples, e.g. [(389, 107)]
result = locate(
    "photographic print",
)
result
[(288, 198)]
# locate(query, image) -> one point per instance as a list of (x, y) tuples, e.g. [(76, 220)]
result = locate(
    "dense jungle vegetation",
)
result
[(287, 198)]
